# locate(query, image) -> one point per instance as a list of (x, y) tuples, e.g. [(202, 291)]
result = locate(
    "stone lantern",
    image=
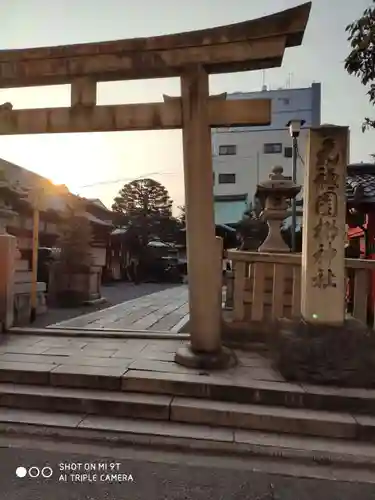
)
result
[(274, 195)]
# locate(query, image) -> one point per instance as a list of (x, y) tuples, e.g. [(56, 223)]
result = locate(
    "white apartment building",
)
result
[(245, 156)]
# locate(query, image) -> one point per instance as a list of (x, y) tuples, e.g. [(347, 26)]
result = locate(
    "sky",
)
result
[(97, 165)]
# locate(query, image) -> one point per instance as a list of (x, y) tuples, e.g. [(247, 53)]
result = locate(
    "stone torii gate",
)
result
[(192, 56)]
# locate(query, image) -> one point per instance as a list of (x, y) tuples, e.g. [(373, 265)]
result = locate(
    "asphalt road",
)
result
[(78, 476)]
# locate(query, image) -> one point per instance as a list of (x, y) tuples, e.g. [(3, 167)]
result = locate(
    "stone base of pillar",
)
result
[(8, 251), (220, 360)]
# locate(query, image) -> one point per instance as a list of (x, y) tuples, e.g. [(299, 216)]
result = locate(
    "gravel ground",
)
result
[(114, 294)]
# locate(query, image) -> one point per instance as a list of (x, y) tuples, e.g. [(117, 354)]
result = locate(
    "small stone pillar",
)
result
[(324, 214), (8, 256), (9, 252), (273, 195)]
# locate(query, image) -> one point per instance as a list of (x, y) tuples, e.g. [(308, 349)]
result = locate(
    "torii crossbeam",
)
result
[(251, 45)]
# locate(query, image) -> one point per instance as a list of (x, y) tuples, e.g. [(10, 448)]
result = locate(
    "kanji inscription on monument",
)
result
[(326, 230), (323, 275), (326, 204), (327, 183)]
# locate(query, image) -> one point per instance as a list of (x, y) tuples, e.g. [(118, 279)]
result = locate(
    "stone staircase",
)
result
[(151, 406), (179, 410)]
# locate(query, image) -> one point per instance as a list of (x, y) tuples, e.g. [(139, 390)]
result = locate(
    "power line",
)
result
[(125, 179), (299, 156)]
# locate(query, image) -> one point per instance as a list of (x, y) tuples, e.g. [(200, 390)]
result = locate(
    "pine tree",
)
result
[(146, 204)]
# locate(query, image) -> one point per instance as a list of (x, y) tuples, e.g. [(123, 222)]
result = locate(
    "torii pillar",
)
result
[(204, 250)]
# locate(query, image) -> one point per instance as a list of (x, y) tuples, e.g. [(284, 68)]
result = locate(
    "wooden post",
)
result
[(202, 248), (34, 267), (37, 199), (323, 252)]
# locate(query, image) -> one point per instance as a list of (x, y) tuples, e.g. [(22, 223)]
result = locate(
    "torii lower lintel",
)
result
[(129, 117)]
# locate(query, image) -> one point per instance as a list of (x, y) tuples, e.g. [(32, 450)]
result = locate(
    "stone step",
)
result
[(291, 450), (23, 276), (116, 333), (212, 387), (273, 419), (90, 402), (189, 411), (263, 392), (22, 265), (26, 287)]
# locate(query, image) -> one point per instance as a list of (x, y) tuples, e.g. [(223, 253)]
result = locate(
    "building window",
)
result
[(227, 178), (227, 150), (288, 152), (272, 148)]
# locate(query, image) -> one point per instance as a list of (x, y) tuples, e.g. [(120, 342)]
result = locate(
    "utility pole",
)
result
[(294, 131), (294, 203)]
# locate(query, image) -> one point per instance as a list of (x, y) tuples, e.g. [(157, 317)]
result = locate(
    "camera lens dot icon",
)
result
[(21, 472)]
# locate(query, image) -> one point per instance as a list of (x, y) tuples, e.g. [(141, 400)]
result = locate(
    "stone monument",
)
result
[(324, 228)]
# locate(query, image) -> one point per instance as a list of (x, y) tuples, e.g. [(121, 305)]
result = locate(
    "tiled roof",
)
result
[(57, 200), (30, 180), (360, 182), (96, 220), (98, 203), (360, 187)]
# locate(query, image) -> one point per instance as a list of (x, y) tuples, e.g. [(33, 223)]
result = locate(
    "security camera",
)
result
[(295, 127)]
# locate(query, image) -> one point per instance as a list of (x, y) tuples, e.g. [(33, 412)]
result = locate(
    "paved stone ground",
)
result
[(163, 310), (115, 293), (143, 357), (164, 478), (117, 356)]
